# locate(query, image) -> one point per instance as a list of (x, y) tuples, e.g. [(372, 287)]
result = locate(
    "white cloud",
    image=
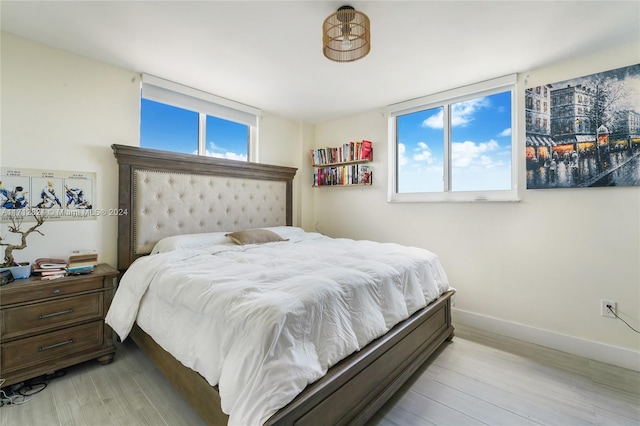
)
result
[(468, 153), (227, 155), (218, 152), (462, 113), (402, 157), (435, 121), (423, 153), (506, 132)]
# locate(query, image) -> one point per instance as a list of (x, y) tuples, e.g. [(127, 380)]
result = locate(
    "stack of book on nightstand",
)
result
[(50, 268), (80, 264)]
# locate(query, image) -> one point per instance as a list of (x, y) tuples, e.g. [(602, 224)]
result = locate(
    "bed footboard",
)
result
[(352, 390), (358, 386)]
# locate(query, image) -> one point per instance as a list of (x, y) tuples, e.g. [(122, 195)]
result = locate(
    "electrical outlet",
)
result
[(604, 310)]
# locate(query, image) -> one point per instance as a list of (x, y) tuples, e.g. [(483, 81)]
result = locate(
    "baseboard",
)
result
[(614, 355)]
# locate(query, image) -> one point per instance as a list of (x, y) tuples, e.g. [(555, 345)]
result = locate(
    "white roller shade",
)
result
[(454, 95), (168, 92)]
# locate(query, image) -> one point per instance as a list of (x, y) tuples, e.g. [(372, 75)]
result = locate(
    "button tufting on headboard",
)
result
[(171, 203)]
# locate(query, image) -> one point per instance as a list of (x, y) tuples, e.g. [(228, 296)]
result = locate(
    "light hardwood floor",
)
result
[(479, 378)]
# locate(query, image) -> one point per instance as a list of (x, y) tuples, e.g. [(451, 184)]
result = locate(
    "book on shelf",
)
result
[(350, 174), (366, 150), (50, 272), (53, 277), (350, 151), (83, 257), (80, 270), (50, 263), (82, 264), (364, 175), (82, 260)]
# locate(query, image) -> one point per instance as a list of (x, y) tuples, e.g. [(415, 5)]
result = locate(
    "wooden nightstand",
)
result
[(49, 325)]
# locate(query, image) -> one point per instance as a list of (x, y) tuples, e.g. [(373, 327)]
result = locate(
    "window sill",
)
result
[(456, 197)]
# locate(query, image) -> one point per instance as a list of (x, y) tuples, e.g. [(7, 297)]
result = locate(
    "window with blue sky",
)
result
[(176, 129), (461, 144), (226, 139), (168, 128), (181, 119)]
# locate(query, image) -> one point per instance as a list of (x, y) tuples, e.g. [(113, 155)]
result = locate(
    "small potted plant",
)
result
[(19, 270)]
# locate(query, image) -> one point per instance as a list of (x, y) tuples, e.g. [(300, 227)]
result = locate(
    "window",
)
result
[(181, 119), (168, 128), (456, 145), (227, 139)]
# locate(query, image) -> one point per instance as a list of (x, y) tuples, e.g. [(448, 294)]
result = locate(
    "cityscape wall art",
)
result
[(584, 132)]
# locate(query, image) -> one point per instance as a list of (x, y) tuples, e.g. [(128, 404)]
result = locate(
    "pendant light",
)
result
[(346, 35)]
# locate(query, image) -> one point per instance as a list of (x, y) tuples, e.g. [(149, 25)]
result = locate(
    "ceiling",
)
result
[(268, 54)]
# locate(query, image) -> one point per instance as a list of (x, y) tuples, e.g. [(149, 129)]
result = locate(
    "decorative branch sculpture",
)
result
[(14, 227)]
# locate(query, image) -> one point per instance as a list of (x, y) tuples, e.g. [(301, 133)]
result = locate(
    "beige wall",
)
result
[(63, 112), (543, 263)]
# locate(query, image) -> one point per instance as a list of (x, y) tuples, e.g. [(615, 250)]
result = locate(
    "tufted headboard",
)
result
[(166, 194)]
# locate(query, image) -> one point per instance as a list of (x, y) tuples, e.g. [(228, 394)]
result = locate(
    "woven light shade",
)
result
[(346, 35)]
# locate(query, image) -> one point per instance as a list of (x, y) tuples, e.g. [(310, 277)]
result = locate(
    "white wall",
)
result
[(63, 112), (536, 269), (283, 142)]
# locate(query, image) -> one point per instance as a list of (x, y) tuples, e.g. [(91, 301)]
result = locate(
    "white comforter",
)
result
[(264, 321)]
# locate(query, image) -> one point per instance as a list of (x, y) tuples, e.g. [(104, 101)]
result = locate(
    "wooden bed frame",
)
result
[(352, 390)]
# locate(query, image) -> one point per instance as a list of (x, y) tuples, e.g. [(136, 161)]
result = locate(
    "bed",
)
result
[(172, 198)]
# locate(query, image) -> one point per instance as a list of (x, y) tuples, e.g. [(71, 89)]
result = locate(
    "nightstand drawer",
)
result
[(44, 316), (45, 289), (33, 350)]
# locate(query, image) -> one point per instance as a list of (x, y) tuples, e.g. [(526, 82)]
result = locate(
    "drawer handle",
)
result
[(44, 348), (55, 314), (56, 291)]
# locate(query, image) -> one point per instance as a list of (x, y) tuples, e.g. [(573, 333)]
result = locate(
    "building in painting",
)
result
[(539, 144), (571, 116), (626, 129)]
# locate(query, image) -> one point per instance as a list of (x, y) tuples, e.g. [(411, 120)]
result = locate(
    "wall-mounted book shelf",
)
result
[(346, 175), (344, 165)]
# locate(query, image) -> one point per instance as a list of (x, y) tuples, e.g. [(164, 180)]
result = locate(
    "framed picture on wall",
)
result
[(58, 194), (584, 132)]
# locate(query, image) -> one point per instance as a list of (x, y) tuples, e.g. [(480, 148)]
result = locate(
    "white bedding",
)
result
[(264, 321)]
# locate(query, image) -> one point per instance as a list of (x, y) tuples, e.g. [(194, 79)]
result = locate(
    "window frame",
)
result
[(446, 99), (205, 104)]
